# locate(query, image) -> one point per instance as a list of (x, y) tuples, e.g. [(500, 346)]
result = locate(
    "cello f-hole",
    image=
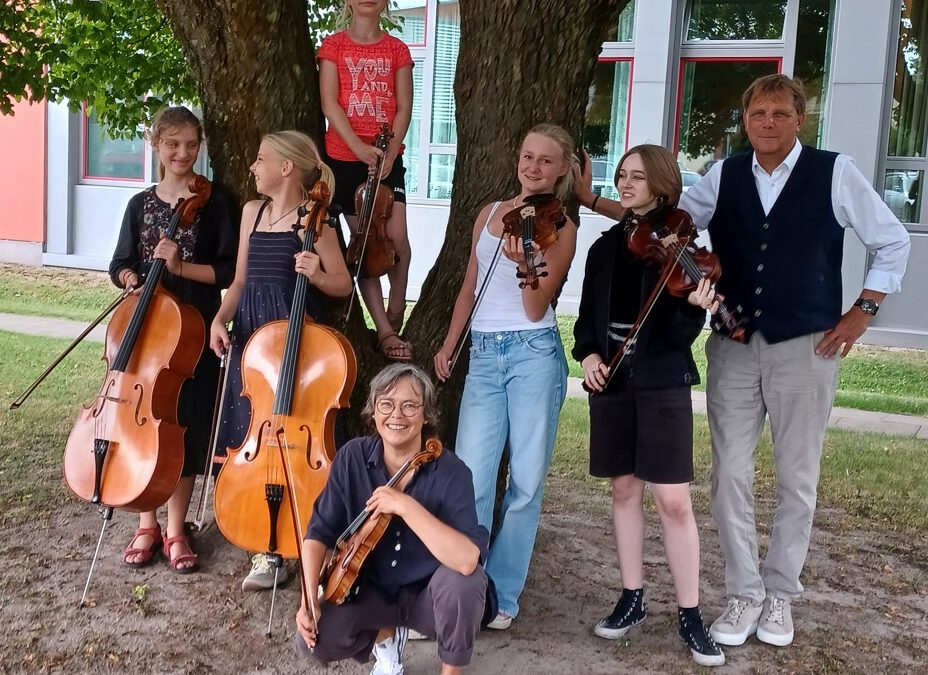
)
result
[(138, 405), (309, 457), (250, 455)]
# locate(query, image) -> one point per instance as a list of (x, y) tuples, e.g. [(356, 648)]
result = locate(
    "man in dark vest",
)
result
[(777, 218)]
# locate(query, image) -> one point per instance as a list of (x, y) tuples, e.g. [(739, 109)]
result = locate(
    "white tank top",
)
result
[(501, 308)]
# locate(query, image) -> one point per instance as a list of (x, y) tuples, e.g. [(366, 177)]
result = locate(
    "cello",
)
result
[(296, 374), (126, 450)]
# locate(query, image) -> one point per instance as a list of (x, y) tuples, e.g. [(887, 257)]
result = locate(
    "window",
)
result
[(813, 60), (901, 193), (736, 20), (410, 14), (447, 38), (728, 44), (624, 30), (604, 135), (906, 160), (710, 126), (111, 158), (441, 175), (443, 133), (909, 121), (411, 153)]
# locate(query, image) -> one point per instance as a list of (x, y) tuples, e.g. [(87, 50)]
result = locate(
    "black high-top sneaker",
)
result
[(629, 611), (696, 637)]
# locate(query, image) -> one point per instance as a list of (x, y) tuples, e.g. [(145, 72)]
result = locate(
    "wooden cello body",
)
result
[(126, 450), (296, 374)]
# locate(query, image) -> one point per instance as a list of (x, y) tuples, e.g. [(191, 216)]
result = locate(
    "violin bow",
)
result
[(370, 194), (126, 292), (639, 322), (213, 442), (481, 292)]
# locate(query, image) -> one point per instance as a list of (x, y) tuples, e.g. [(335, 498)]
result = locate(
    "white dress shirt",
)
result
[(856, 205)]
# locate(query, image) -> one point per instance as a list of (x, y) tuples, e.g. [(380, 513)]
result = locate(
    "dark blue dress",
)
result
[(267, 296)]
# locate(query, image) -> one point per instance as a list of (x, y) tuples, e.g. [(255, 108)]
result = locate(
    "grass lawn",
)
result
[(872, 378), (881, 481)]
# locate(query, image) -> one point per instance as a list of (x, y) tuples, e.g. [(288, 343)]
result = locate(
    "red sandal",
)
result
[(146, 553), (186, 557)]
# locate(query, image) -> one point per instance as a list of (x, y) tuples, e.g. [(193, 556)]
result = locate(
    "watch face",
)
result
[(867, 306)]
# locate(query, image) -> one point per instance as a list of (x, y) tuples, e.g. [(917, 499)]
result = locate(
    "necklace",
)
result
[(277, 220)]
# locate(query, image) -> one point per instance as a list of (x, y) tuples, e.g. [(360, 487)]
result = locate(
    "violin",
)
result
[(126, 450), (538, 221), (296, 374), (342, 567), (669, 244), (371, 253)]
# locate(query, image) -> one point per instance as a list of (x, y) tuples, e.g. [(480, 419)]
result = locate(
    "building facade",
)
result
[(672, 72)]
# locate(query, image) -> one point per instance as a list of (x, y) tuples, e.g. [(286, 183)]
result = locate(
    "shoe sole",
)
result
[(775, 639), (254, 586), (503, 625), (706, 660), (615, 633), (733, 639)]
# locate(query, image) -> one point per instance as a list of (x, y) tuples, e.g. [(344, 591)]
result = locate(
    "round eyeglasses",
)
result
[(386, 406)]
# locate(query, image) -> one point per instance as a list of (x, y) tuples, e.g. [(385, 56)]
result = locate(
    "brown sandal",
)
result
[(183, 558), (146, 553), (399, 351)]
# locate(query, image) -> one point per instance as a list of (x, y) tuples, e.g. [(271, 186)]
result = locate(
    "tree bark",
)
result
[(516, 68), (254, 65), (255, 69)]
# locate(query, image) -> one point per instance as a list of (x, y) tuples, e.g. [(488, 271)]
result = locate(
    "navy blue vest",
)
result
[(780, 272)]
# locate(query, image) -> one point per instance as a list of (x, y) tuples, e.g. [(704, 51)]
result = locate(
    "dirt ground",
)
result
[(865, 609)]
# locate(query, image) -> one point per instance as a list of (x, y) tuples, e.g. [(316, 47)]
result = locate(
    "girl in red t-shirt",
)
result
[(365, 79)]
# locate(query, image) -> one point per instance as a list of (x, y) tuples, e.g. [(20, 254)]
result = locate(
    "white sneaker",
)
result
[(388, 655), (737, 623), (261, 577), (501, 622), (416, 635), (776, 622)]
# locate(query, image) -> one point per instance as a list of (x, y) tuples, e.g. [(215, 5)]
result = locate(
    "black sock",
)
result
[(691, 614)]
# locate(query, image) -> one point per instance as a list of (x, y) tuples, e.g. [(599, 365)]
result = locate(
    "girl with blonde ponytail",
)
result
[(269, 258)]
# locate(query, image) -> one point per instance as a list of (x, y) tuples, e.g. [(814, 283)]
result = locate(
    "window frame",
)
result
[(708, 59), (87, 179)]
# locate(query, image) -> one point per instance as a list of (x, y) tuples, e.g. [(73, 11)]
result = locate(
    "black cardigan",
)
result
[(662, 357)]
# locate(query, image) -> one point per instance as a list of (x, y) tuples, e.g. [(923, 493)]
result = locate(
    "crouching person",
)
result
[(425, 572)]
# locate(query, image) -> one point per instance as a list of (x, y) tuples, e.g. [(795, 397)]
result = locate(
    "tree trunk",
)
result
[(516, 68), (255, 69), (253, 63)]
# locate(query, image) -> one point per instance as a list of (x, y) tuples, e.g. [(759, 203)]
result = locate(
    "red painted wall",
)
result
[(22, 173)]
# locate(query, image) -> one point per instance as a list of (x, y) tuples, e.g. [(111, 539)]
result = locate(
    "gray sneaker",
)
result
[(388, 655), (737, 623), (776, 622), (261, 577)]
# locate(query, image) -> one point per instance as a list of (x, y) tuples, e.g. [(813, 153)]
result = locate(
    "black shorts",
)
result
[(349, 175), (647, 433)]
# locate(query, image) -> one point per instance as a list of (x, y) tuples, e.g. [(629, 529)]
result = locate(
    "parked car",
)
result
[(603, 174), (690, 178), (900, 192)]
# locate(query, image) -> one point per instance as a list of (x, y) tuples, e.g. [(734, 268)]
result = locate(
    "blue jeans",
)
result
[(514, 390)]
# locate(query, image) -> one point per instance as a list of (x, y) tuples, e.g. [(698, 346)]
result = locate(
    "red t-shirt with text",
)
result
[(367, 82)]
